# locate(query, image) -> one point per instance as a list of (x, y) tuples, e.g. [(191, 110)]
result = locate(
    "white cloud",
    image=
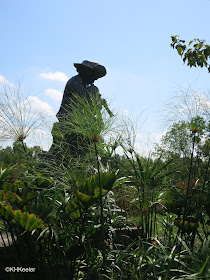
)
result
[(54, 94), (59, 76), (40, 133), (5, 81), (41, 138), (37, 106)]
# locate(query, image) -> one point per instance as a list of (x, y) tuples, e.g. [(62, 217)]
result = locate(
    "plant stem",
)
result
[(188, 184), (206, 174), (101, 203)]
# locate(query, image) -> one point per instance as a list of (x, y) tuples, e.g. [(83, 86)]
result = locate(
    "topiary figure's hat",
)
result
[(98, 69)]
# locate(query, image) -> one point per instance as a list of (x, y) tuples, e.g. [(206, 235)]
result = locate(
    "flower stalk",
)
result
[(101, 203), (189, 178)]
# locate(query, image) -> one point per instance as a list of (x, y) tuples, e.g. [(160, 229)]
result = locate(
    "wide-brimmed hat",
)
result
[(93, 66)]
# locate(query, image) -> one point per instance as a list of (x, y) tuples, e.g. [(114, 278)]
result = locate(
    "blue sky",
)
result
[(131, 39)]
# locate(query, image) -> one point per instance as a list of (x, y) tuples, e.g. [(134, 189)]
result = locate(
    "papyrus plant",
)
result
[(19, 119)]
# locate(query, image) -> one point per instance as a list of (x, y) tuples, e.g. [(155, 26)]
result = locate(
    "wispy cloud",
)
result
[(58, 76), (54, 94), (5, 81)]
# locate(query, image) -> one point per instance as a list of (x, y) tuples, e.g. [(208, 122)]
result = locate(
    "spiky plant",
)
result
[(18, 118)]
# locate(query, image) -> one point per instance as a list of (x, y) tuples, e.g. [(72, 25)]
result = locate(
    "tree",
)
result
[(177, 144), (17, 153), (197, 55)]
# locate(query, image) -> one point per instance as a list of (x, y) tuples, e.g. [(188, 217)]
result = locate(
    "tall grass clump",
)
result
[(87, 118)]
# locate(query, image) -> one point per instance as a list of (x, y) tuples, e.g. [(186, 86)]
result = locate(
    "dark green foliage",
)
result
[(12, 155), (197, 55), (79, 220)]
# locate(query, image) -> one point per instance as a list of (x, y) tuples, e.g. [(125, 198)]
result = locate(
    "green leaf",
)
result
[(9, 197), (19, 184), (97, 192), (89, 191), (43, 181), (7, 187), (86, 200), (26, 220), (106, 179), (3, 212), (4, 173), (74, 209)]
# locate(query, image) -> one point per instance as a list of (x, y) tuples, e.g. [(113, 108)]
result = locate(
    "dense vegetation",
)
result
[(101, 215), (105, 216)]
